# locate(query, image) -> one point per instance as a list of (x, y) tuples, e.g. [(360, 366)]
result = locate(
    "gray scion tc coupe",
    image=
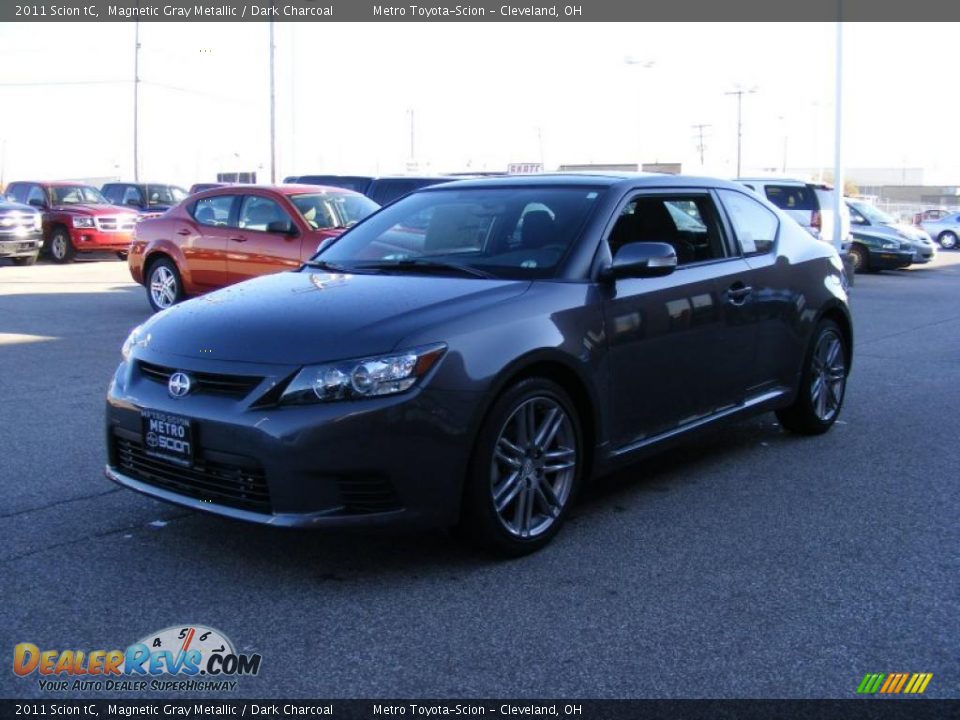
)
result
[(474, 353)]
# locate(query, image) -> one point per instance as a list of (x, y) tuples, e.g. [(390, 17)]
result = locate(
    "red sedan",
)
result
[(222, 236)]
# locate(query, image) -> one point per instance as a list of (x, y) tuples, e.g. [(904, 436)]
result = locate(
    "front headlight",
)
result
[(6, 221), (83, 222), (37, 221), (365, 378), (136, 338)]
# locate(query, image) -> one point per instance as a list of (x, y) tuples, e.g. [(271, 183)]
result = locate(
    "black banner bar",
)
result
[(475, 11), (866, 709)]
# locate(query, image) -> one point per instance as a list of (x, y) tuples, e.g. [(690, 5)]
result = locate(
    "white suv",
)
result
[(810, 204)]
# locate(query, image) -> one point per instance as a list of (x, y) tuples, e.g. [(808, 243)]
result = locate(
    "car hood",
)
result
[(84, 209), (299, 318)]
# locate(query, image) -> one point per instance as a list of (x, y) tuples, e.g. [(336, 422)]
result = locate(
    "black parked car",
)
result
[(21, 232), (475, 352)]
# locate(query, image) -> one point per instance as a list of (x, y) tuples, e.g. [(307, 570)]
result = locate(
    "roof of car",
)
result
[(55, 183), (579, 179), (283, 189)]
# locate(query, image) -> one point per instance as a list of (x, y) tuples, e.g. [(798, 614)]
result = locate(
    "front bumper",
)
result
[(94, 240), (890, 259), (392, 460), (20, 245)]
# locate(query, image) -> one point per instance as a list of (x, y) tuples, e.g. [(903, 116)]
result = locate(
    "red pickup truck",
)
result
[(76, 218)]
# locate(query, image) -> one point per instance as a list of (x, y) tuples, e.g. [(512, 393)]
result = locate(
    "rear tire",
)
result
[(823, 383), (164, 286), (526, 469), (859, 258), (25, 260), (61, 246), (947, 240)]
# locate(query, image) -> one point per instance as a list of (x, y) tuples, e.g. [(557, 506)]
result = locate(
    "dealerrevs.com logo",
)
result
[(178, 658)]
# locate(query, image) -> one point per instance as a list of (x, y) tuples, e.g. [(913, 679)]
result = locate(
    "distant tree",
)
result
[(850, 188)]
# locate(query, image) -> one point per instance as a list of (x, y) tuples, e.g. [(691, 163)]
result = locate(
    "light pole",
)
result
[(838, 179), (700, 146), (647, 64), (740, 92), (136, 101), (273, 113)]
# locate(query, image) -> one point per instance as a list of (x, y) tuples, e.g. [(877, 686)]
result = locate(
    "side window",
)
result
[(213, 211), (131, 196), (687, 222), (111, 193), (791, 197), (856, 217), (17, 192), (263, 214), (755, 226), (36, 196)]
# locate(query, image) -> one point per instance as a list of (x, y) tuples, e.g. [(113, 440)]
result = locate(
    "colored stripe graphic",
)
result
[(870, 683), (918, 683), (894, 683)]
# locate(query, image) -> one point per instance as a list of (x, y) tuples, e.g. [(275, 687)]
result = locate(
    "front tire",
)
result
[(947, 240), (859, 259), (164, 286), (526, 469), (823, 383), (61, 246)]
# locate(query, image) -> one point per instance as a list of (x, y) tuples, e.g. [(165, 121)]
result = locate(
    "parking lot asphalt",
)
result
[(750, 563)]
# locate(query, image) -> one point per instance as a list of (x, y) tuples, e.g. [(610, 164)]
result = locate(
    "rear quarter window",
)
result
[(791, 197)]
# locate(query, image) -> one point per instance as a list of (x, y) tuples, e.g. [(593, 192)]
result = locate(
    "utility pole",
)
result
[(273, 113), (700, 146), (740, 92), (136, 101)]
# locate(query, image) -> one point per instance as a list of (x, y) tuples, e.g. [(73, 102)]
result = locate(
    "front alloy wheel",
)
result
[(164, 288), (947, 240), (533, 467), (61, 247), (526, 469)]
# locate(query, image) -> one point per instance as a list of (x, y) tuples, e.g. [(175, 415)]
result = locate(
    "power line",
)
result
[(700, 146)]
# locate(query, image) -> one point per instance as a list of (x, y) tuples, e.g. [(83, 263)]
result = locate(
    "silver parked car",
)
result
[(945, 229), (864, 215)]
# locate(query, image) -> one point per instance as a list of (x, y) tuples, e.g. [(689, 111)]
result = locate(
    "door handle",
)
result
[(183, 231), (238, 239), (738, 293)]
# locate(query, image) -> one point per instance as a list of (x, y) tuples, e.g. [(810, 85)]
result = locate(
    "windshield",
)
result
[(512, 233), (164, 194), (76, 194), (874, 215), (333, 210)]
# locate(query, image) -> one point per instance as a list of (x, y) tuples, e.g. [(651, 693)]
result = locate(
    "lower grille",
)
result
[(243, 487), (364, 495)]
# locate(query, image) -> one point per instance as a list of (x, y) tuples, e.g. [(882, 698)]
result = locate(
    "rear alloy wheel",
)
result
[(947, 240), (526, 469), (164, 287), (858, 258), (61, 246), (822, 385)]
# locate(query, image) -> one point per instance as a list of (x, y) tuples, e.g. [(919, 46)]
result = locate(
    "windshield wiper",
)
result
[(422, 265), (328, 266)]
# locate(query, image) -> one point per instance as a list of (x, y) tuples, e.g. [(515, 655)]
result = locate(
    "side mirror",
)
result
[(641, 260), (36, 203), (857, 220), (132, 203), (281, 227)]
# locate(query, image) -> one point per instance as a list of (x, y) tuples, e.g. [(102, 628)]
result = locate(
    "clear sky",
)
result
[(482, 95)]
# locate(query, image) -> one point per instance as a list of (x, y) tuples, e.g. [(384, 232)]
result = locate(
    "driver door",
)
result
[(258, 246)]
